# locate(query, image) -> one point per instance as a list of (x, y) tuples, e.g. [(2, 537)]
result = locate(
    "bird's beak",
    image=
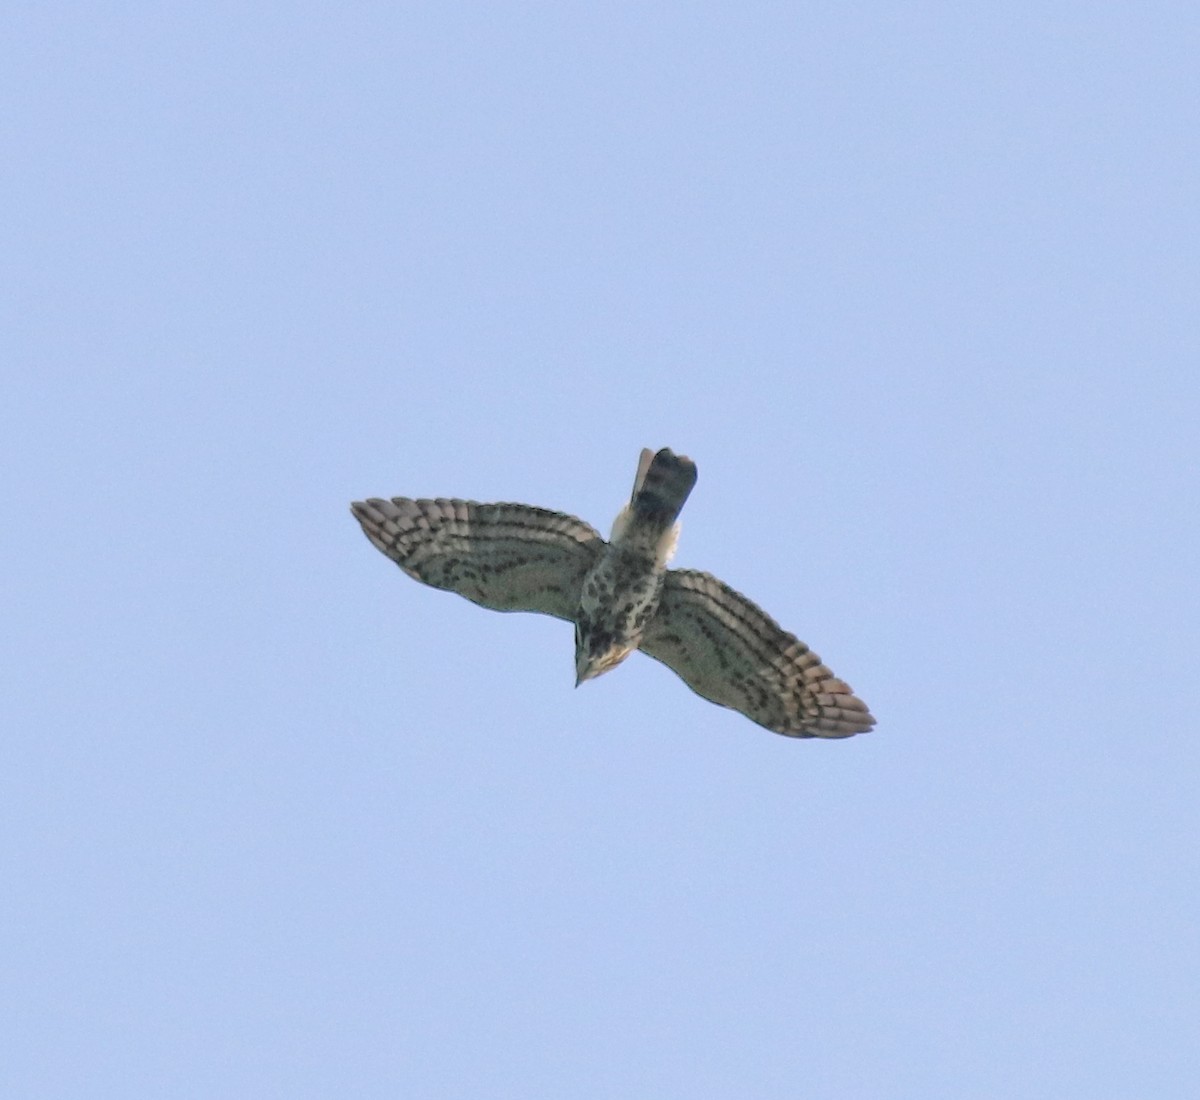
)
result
[(588, 668)]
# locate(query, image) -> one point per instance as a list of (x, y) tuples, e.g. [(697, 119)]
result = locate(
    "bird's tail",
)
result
[(661, 488)]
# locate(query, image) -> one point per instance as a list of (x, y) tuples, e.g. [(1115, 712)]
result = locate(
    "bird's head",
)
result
[(597, 651)]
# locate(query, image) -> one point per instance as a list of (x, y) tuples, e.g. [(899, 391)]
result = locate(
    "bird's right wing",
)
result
[(730, 651), (509, 557)]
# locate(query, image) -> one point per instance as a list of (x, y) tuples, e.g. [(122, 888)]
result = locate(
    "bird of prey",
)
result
[(621, 596)]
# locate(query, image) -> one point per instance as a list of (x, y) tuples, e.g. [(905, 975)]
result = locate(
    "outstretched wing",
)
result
[(733, 653), (510, 557)]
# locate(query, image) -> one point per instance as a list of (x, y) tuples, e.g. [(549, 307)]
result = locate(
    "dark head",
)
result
[(598, 649)]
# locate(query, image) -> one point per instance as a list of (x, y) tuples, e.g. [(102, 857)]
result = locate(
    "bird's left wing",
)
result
[(730, 651), (509, 557)]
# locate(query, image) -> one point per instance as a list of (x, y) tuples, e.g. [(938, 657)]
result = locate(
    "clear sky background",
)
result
[(917, 287)]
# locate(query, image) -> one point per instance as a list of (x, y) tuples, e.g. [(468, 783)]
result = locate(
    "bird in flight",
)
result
[(621, 596)]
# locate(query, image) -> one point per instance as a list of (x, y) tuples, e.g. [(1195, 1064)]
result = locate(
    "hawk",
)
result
[(621, 596)]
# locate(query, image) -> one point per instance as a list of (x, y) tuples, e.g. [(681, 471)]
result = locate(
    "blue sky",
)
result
[(915, 285)]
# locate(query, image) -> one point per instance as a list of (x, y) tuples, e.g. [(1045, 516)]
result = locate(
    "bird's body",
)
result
[(621, 595), (621, 591)]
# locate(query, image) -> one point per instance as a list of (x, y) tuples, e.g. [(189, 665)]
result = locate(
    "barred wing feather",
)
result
[(731, 652), (508, 557)]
